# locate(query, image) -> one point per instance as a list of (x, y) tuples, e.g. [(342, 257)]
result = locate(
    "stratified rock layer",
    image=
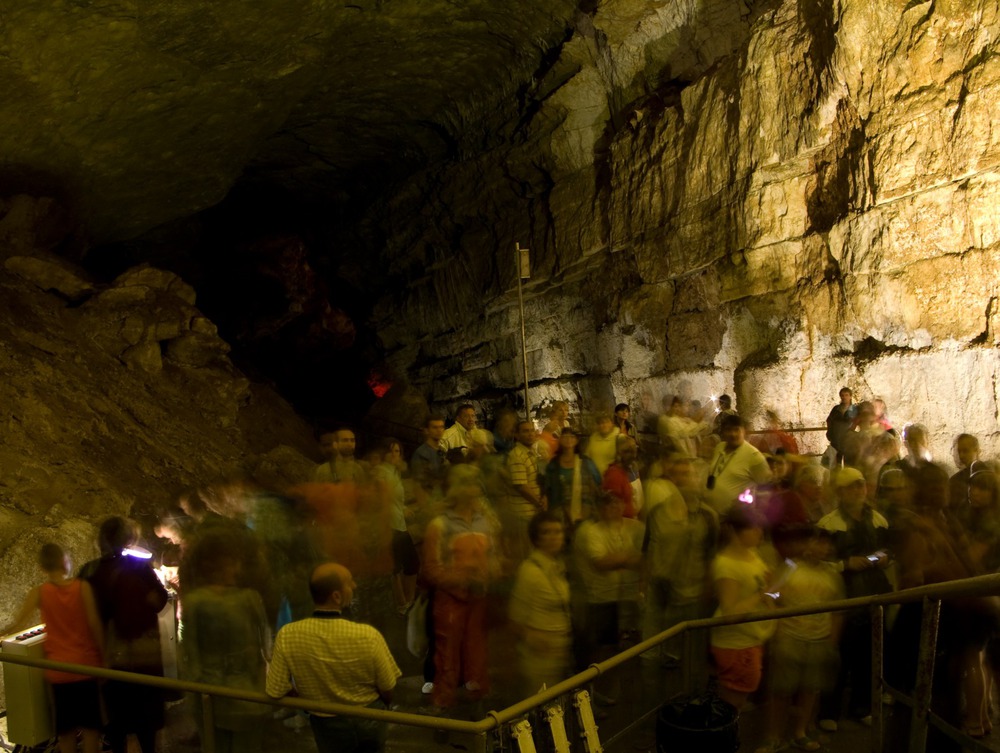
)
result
[(775, 200)]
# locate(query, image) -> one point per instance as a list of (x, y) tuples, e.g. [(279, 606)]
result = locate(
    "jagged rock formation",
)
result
[(777, 200), (114, 400)]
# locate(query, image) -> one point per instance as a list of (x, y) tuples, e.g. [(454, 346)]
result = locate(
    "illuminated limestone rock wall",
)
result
[(774, 199), (114, 399)]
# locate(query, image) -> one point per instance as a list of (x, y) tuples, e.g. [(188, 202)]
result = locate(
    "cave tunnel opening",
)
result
[(281, 279)]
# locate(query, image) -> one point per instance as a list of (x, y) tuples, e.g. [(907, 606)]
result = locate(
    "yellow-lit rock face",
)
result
[(816, 195)]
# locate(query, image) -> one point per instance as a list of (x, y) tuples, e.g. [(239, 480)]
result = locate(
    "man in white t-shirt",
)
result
[(457, 435), (736, 465)]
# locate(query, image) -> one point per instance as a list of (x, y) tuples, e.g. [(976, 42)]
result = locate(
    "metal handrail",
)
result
[(983, 585)]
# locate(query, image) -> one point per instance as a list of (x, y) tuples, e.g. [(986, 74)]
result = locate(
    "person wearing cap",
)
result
[(859, 539)]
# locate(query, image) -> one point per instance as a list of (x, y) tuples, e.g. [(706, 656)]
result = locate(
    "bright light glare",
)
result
[(746, 497), (137, 552)]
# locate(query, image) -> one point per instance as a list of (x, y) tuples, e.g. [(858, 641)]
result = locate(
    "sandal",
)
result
[(806, 743)]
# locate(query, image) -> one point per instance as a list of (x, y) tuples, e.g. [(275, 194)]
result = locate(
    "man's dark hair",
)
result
[(847, 390), (536, 523), (115, 534), (432, 417), (52, 558), (342, 427), (322, 588), (725, 401), (465, 406), (731, 421), (621, 406)]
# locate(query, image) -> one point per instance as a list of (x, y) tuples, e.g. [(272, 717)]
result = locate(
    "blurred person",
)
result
[(981, 522), (725, 408), (460, 562), (129, 599), (679, 546), (678, 428), (623, 415), (457, 435), (504, 427), (622, 478), (802, 655), (743, 584), (557, 414), (916, 440), (73, 634), (227, 642), (427, 462), (781, 504), (881, 414), (880, 453), (570, 482), (839, 421), (540, 606), (894, 494), (736, 465), (283, 546), (608, 554), (810, 487), (341, 467), (927, 552), (405, 562), (966, 453), (326, 657), (525, 498), (860, 546), (196, 507), (602, 445), (774, 438)]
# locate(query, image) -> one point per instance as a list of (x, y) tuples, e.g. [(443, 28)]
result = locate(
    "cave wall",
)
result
[(115, 399), (772, 198)]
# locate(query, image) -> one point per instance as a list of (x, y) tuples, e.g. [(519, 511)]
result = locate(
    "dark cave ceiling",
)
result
[(237, 143), (138, 113)]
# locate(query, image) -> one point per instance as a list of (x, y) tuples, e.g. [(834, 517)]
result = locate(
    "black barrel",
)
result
[(703, 723)]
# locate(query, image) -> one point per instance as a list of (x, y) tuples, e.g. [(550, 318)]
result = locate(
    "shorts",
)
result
[(739, 669), (77, 705), (795, 664), (404, 554)]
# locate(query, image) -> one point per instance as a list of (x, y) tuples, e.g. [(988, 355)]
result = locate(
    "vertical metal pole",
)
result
[(878, 647), (208, 721), (925, 675), (524, 342), (687, 665)]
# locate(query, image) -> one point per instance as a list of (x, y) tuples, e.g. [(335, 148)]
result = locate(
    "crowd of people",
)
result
[(591, 539)]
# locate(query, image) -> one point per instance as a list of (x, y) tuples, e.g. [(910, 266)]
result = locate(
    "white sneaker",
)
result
[(827, 725), (427, 688)]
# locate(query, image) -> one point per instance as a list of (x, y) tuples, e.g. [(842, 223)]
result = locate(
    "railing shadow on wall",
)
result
[(511, 719)]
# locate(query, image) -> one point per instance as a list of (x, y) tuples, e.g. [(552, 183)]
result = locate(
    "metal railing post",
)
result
[(208, 722), (878, 649), (925, 675), (687, 661)]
